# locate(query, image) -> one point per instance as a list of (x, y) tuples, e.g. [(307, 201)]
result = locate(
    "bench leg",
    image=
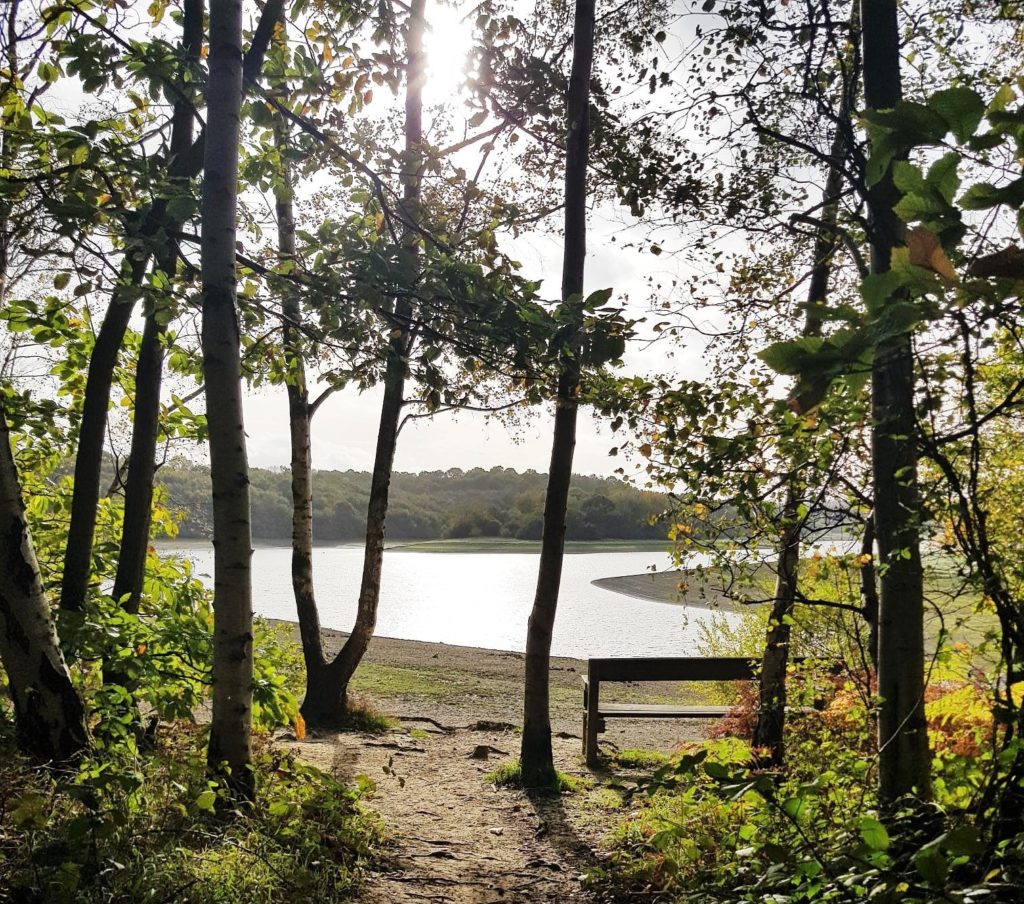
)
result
[(586, 695), (591, 726)]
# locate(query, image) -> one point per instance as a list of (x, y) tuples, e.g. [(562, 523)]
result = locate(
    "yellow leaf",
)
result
[(925, 250)]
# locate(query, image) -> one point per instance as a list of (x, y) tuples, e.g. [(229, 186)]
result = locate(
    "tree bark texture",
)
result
[(299, 423), (904, 755), (327, 691), (231, 719), (48, 714), (536, 760)]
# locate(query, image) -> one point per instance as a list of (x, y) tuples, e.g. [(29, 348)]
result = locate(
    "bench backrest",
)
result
[(712, 668)]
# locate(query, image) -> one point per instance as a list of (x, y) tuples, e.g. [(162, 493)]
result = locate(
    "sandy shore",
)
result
[(676, 587), (458, 686)]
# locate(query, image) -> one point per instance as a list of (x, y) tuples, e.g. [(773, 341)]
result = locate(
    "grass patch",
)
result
[(639, 759), (604, 798), (399, 681), (363, 716), (510, 775)]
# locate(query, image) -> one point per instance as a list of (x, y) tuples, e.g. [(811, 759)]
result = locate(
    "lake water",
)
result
[(478, 599)]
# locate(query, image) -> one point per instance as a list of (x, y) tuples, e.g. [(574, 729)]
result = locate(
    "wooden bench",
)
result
[(720, 668)]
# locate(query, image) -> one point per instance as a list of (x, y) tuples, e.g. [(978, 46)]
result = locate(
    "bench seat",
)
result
[(660, 711)]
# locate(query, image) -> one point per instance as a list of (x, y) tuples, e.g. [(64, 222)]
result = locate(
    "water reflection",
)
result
[(479, 599)]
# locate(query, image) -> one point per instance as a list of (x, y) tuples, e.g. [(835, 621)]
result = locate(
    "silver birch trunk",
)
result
[(48, 714), (230, 751), (536, 760)]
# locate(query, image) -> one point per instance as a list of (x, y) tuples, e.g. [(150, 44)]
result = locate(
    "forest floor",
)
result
[(453, 835)]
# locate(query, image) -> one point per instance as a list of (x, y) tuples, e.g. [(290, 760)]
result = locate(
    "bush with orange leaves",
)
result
[(958, 710)]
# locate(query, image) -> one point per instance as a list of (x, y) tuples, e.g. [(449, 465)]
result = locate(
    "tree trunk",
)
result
[(327, 689), (869, 588), (904, 756), (537, 763), (138, 496), (769, 730), (48, 714), (299, 422), (229, 751), (91, 442)]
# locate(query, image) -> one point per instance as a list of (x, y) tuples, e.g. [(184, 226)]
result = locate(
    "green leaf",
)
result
[(984, 195), (793, 806), (908, 178), (963, 840), (931, 864), (598, 298), (874, 833), (942, 175), (61, 280), (961, 108), (878, 288), (790, 356), (181, 208), (206, 800), (1002, 99)]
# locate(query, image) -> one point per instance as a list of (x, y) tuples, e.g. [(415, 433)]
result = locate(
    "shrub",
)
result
[(157, 829)]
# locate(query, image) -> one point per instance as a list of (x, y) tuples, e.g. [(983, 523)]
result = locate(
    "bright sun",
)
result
[(447, 42)]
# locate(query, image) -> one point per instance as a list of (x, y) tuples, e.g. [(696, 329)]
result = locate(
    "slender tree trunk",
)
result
[(904, 756), (327, 689), (538, 769), (769, 730), (138, 496), (91, 442), (299, 422), (48, 713), (869, 588), (231, 720)]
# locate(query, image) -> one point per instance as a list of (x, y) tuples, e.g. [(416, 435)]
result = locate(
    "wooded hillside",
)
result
[(454, 504)]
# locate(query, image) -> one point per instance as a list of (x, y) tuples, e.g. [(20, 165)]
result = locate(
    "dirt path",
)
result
[(454, 837)]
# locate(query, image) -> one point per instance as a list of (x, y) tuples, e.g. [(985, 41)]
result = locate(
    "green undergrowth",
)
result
[(707, 825), (639, 759), (153, 828), (510, 775)]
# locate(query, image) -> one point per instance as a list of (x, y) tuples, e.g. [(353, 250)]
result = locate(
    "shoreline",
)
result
[(671, 587)]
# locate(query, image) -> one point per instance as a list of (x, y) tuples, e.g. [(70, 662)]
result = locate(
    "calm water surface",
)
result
[(478, 599)]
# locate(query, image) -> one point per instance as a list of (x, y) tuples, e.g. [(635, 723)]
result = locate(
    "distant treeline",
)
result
[(453, 504)]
